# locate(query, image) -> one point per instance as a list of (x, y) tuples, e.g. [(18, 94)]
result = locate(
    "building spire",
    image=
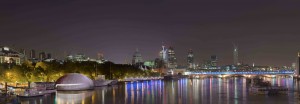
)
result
[(235, 55)]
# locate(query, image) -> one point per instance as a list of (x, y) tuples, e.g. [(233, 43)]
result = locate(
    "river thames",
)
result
[(233, 90)]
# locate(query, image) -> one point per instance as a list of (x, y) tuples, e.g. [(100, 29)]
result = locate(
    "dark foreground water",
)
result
[(185, 91)]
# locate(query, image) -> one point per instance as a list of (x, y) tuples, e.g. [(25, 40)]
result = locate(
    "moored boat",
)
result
[(28, 93)]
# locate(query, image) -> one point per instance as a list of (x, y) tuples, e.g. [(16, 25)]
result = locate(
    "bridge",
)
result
[(245, 73)]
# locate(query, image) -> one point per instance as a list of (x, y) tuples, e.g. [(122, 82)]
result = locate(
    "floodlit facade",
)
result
[(8, 55), (82, 58), (137, 57)]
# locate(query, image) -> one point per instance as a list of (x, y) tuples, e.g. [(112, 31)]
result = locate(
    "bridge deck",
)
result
[(254, 73)]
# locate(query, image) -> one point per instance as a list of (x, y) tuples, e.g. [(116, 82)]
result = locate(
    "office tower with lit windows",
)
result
[(172, 61)]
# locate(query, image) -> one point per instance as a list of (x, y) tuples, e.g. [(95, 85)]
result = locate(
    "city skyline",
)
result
[(266, 32), (235, 58)]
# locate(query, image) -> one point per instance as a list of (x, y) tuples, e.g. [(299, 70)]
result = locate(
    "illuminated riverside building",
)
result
[(82, 58), (77, 57), (8, 55)]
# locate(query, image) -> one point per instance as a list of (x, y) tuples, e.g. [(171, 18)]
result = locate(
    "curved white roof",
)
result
[(74, 81)]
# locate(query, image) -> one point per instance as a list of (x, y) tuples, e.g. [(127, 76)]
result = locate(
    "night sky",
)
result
[(267, 33)]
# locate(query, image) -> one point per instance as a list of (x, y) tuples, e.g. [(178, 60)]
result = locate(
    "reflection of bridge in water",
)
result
[(244, 73)]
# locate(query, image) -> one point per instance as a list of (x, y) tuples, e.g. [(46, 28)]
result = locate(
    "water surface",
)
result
[(185, 91)]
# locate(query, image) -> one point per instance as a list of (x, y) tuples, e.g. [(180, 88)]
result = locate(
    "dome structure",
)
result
[(73, 82)]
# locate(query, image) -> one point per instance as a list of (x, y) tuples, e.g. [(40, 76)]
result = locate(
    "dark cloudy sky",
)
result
[(267, 33)]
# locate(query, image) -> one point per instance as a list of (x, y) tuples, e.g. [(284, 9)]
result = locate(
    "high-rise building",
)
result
[(137, 58), (190, 59), (164, 54), (214, 61), (32, 54), (23, 51), (235, 55), (42, 55), (172, 63)]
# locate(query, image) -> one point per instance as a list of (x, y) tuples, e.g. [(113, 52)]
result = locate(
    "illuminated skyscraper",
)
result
[(190, 59), (163, 54), (9, 55), (235, 55), (137, 58), (172, 63)]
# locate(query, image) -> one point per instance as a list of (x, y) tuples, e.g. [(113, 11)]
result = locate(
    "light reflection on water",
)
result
[(185, 91)]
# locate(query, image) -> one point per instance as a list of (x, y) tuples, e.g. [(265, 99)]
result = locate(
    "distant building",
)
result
[(190, 59), (206, 64), (100, 56), (150, 64), (214, 61), (8, 55), (81, 58), (137, 58), (158, 63), (294, 66), (49, 56), (163, 54), (42, 56), (235, 55), (77, 57), (172, 61), (32, 54)]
